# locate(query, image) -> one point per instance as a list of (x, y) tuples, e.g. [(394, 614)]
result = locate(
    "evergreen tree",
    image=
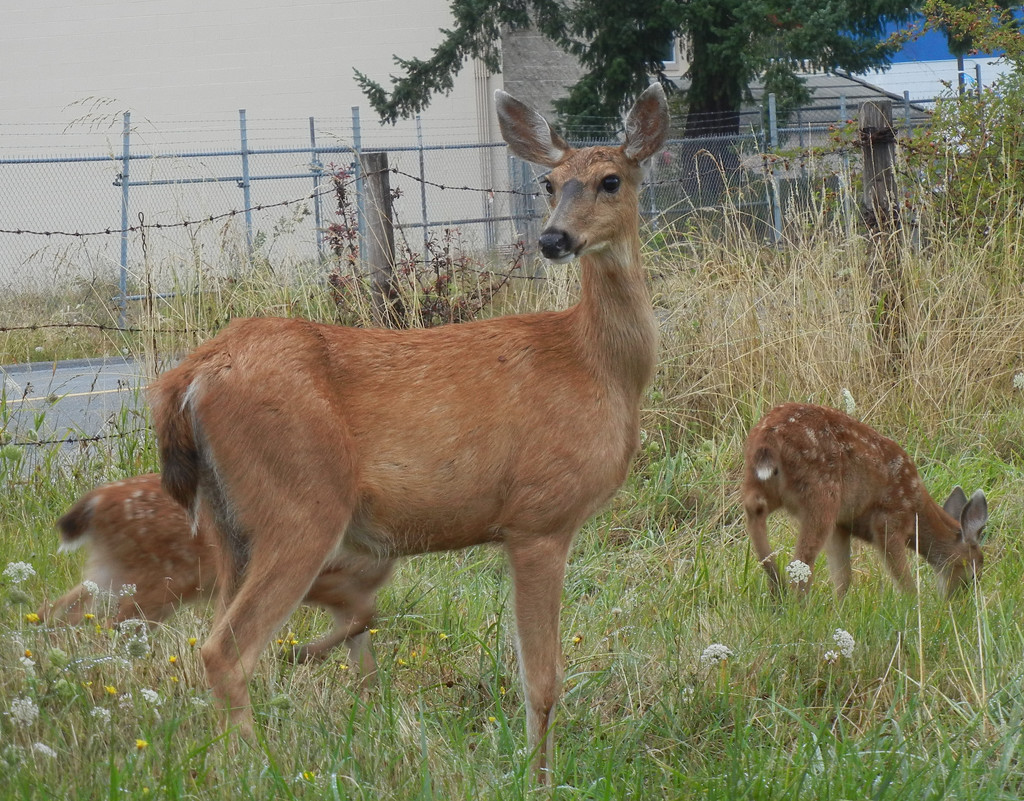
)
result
[(621, 46)]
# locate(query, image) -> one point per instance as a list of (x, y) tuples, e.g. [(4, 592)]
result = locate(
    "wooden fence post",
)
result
[(380, 240), (881, 211)]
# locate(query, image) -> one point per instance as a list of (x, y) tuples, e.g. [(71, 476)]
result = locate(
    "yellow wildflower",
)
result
[(140, 744), (111, 689), (172, 659), (89, 616), (191, 642), (31, 617)]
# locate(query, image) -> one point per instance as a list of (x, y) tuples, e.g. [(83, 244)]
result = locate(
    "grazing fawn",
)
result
[(841, 479), (137, 536), (303, 441)]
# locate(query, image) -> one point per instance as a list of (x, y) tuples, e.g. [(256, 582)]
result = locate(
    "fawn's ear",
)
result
[(527, 133), (956, 502), (647, 124), (973, 518)]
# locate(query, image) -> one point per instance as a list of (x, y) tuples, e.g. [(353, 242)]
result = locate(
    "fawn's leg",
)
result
[(757, 511), (817, 526), (837, 551)]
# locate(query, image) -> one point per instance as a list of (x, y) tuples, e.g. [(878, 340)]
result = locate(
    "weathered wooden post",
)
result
[(881, 212), (380, 240)]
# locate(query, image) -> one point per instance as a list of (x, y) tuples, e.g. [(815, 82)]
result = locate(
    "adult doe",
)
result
[(841, 479), (138, 536), (303, 442)]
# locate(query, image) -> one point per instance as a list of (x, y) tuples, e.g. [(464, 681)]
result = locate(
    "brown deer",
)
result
[(138, 536), (304, 441), (841, 479)]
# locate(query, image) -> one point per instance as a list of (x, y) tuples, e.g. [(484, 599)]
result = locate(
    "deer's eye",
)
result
[(611, 183), (548, 187)]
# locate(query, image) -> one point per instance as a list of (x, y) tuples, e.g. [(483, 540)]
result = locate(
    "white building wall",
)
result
[(69, 69)]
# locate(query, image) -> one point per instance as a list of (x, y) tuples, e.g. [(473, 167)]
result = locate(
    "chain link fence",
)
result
[(141, 211)]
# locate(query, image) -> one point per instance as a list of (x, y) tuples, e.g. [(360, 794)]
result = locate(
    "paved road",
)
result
[(75, 398)]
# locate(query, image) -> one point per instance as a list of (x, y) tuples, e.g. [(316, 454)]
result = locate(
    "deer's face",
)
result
[(593, 196), (962, 570)]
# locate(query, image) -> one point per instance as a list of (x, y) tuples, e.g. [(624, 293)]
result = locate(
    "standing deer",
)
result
[(304, 441), (841, 479), (138, 536)]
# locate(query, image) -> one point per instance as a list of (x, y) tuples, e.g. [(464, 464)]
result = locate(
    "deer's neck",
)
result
[(618, 334), (938, 534)]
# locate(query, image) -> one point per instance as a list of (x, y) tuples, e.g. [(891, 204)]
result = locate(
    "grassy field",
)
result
[(926, 704)]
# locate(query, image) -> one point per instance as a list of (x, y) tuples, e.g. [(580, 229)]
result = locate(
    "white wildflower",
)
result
[(197, 701), (102, 714), (125, 701), (714, 654), (831, 657), (27, 662), (844, 642), (92, 588), (17, 572), (1018, 381), (849, 405), (44, 750), (686, 694), (24, 711), (127, 590), (152, 696), (798, 572)]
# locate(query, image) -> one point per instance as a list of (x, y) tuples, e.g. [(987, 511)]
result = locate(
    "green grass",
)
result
[(929, 705)]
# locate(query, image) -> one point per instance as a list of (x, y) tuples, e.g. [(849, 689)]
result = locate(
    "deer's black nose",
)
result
[(555, 244)]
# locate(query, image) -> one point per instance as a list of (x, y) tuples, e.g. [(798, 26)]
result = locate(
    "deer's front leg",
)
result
[(538, 571)]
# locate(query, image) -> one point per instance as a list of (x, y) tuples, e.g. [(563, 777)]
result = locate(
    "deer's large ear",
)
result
[(956, 502), (647, 124), (973, 518), (527, 133)]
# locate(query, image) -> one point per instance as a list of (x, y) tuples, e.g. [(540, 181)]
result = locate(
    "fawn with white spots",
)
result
[(841, 479), (136, 535), (303, 441)]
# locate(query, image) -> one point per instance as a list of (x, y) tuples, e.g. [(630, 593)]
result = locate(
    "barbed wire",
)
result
[(75, 440), (4, 329), (768, 158)]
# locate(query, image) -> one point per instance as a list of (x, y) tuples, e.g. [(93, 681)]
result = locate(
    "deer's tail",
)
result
[(765, 464), (171, 398), (74, 524)]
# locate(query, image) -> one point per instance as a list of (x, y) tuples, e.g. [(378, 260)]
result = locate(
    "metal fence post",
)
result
[(845, 174), (244, 183), (357, 166), (122, 302), (423, 188), (317, 168), (773, 185)]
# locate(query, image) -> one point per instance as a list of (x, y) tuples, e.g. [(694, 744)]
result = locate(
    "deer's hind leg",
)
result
[(70, 608), (279, 572), (837, 551), (279, 516), (757, 509)]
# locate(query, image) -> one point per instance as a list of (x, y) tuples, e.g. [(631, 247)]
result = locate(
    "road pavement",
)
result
[(73, 399)]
